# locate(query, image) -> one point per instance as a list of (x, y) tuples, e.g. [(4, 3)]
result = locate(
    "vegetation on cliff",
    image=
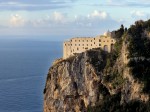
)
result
[(97, 81), (139, 51), (111, 103), (139, 64)]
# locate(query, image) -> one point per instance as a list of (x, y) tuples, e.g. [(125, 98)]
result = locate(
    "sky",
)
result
[(68, 18)]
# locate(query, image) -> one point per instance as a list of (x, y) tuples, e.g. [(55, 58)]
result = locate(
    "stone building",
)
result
[(78, 45)]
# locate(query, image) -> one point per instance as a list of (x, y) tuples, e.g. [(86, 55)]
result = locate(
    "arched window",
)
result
[(106, 48)]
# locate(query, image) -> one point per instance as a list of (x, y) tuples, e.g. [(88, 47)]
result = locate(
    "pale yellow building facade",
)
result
[(81, 44)]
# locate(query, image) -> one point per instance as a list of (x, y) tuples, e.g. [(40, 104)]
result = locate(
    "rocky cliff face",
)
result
[(73, 84), (97, 81)]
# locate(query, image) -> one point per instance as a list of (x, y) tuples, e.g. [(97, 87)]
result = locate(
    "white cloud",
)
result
[(58, 23), (124, 3), (98, 14), (32, 5), (16, 20), (137, 13), (55, 19), (58, 17)]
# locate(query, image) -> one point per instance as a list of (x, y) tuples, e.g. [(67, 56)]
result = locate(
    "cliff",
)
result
[(97, 81)]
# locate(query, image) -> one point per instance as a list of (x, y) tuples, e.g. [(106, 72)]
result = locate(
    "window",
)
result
[(103, 41), (107, 40), (91, 40), (79, 44), (111, 40), (105, 48), (94, 38), (87, 40), (75, 40), (77, 48), (83, 40), (99, 40), (75, 44), (91, 44), (79, 40), (87, 44), (99, 44), (94, 42), (83, 44)]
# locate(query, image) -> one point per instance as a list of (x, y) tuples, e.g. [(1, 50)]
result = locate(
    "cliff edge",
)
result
[(97, 81)]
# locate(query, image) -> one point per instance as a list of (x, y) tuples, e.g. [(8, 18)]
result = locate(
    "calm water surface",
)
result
[(23, 70)]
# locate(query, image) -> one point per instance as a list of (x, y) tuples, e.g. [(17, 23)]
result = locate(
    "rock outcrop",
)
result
[(95, 80), (73, 84)]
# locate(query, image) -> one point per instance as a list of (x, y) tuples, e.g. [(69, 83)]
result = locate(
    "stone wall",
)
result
[(79, 45)]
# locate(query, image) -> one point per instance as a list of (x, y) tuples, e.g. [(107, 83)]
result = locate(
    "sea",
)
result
[(24, 65)]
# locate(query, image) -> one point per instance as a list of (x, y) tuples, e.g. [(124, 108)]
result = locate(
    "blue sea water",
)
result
[(24, 66)]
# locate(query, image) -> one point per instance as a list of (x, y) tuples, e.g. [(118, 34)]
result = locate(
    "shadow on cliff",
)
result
[(112, 104)]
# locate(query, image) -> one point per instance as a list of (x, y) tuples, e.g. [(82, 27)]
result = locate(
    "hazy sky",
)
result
[(69, 17)]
